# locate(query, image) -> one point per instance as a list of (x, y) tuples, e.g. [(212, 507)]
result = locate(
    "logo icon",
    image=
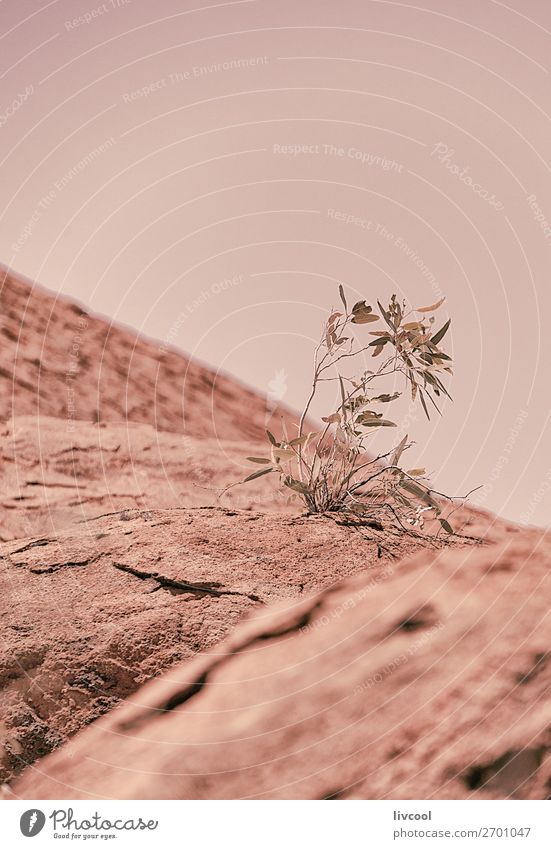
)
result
[(277, 389), (32, 822)]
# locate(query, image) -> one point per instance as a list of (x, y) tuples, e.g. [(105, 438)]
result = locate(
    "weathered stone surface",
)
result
[(92, 613), (51, 478), (432, 683), (124, 582), (59, 360)]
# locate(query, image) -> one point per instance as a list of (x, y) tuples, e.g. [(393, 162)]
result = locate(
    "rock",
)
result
[(431, 683), (59, 360), (94, 612), (52, 478), (220, 645)]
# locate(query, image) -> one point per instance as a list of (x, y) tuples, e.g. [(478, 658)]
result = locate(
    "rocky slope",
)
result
[(432, 682), (92, 613), (51, 479), (58, 360), (403, 677)]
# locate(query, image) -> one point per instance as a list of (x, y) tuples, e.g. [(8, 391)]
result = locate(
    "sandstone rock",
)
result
[(52, 478), (433, 683), (125, 579), (59, 360), (92, 613)]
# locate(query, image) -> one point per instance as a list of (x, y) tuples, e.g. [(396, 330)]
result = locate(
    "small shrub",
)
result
[(331, 470)]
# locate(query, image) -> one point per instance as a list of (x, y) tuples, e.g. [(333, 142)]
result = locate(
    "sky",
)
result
[(209, 173)]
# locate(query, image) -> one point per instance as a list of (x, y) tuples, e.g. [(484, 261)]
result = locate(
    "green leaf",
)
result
[(432, 306), (343, 299), (279, 453), (446, 525), (398, 451), (401, 498), (377, 423), (362, 313), (384, 399), (363, 317), (368, 416), (440, 333), (431, 399), (422, 397), (380, 340), (418, 491), (258, 474), (441, 386), (386, 316), (258, 460), (272, 438), (343, 395), (297, 486), (300, 440)]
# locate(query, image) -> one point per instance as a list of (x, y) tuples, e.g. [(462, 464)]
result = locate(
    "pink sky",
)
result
[(208, 173)]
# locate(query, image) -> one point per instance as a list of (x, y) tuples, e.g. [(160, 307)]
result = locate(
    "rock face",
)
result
[(222, 646), (51, 478), (58, 360), (432, 682), (92, 613)]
